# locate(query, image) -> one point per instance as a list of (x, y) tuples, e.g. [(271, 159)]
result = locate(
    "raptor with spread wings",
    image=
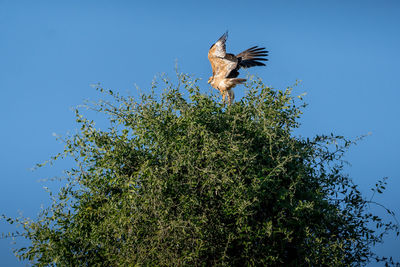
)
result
[(225, 66)]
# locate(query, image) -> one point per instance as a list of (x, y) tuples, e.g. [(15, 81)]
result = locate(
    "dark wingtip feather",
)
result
[(223, 37), (251, 63), (259, 58)]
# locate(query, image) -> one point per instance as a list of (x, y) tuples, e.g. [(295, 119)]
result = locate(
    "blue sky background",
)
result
[(345, 52)]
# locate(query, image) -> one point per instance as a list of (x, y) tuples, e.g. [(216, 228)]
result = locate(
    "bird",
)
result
[(225, 66)]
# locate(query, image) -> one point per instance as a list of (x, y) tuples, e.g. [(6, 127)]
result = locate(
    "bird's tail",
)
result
[(252, 57), (238, 80), (232, 82)]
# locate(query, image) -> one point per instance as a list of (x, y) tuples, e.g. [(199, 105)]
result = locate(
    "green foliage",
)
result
[(186, 180)]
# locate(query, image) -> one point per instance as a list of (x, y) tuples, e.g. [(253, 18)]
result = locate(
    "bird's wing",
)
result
[(228, 64), (252, 57), (217, 52), (219, 48)]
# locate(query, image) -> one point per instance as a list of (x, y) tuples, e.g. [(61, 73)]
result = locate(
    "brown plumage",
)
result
[(225, 67)]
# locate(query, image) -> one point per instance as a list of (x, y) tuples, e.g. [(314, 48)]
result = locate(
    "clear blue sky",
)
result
[(347, 54)]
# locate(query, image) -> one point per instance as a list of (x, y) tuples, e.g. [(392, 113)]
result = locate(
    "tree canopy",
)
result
[(181, 179)]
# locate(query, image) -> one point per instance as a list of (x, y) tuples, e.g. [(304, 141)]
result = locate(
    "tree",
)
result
[(186, 180)]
